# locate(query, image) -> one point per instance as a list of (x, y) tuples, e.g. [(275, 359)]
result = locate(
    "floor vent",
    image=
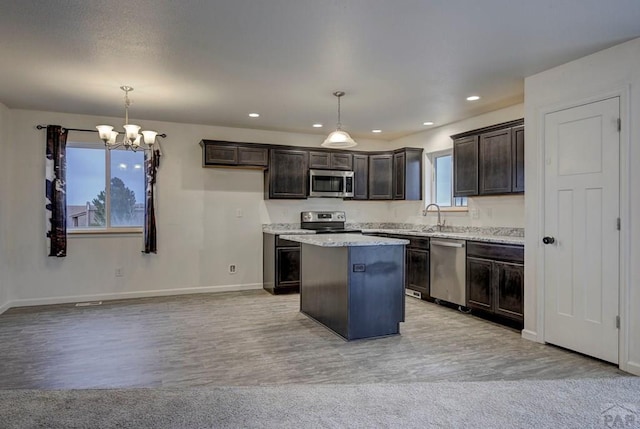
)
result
[(413, 293), (88, 303)]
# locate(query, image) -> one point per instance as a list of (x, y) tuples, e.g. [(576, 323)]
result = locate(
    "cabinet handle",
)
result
[(548, 240)]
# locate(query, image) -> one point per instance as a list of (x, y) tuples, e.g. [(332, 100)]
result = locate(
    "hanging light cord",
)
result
[(339, 123)]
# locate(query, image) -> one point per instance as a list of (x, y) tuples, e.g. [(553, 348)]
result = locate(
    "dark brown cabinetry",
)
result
[(222, 153), (360, 177), (331, 160), (416, 263), (287, 175), (281, 264), (517, 151), (407, 174), (489, 161), (495, 162), (465, 166), (381, 176), (495, 279), (393, 175)]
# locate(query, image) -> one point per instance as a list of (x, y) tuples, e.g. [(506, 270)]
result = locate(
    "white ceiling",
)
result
[(212, 62)]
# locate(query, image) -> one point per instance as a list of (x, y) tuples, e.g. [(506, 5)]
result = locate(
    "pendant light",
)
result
[(132, 139), (339, 139)]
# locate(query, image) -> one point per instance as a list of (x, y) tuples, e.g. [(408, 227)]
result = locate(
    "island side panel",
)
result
[(323, 286), (376, 295)]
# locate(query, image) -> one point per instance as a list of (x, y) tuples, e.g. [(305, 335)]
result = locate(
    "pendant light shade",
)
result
[(339, 139)]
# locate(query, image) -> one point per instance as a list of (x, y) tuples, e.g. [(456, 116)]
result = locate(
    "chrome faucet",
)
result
[(440, 224)]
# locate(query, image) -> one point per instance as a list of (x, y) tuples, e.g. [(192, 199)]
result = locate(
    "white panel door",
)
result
[(581, 258)]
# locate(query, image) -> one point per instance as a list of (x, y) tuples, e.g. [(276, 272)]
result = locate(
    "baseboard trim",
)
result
[(126, 295), (632, 368), (4, 307), (530, 335)]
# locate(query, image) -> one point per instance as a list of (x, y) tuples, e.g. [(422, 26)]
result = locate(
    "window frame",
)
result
[(108, 229), (430, 182)]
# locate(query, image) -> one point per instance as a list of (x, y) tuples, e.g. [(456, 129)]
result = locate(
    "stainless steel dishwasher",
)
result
[(448, 270)]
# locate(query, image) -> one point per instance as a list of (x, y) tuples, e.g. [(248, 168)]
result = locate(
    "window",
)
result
[(441, 183), (91, 205)]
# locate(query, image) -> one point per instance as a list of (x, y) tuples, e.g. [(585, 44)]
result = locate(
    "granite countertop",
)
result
[(470, 236), (487, 234), (281, 231), (345, 240)]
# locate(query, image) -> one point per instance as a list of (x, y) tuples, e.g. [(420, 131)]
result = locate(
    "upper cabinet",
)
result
[(223, 153), (517, 151), (331, 160), (287, 175), (407, 174), (489, 161), (465, 166), (381, 176), (360, 177), (496, 163), (389, 175)]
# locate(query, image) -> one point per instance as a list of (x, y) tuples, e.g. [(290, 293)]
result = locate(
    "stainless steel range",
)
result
[(325, 222)]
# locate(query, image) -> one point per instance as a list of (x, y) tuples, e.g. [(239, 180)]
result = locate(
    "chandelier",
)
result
[(339, 139), (133, 139)]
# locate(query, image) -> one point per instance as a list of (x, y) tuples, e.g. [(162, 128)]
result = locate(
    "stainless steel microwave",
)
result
[(331, 183)]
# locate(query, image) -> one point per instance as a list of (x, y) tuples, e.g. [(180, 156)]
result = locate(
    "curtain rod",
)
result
[(42, 127)]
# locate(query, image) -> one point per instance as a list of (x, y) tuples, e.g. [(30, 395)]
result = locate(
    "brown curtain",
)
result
[(55, 190), (152, 162)]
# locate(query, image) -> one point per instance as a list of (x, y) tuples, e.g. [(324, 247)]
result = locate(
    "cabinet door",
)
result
[(288, 174), (321, 160), (220, 154), (465, 166), (258, 156), (495, 162), (517, 148), (287, 266), (381, 177), (398, 175), (508, 289), (361, 177), (341, 161), (417, 270), (479, 284)]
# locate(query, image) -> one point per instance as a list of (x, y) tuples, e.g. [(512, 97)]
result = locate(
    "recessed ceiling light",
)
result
[(473, 98), (376, 131), (254, 115), (317, 125), (428, 123)]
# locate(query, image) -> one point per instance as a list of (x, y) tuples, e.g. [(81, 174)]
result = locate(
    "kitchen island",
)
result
[(353, 284)]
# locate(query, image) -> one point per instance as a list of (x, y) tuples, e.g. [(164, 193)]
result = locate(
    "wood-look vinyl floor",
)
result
[(253, 338)]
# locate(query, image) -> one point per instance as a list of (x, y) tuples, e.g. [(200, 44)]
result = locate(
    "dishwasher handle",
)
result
[(447, 243)]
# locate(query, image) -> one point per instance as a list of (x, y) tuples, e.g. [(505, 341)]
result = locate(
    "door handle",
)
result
[(548, 240)]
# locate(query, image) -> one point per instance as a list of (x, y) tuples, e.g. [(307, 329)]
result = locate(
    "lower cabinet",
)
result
[(416, 273), (281, 264), (495, 279)]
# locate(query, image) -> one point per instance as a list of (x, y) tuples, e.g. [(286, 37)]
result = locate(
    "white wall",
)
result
[(5, 202), (504, 210), (199, 234), (603, 73)]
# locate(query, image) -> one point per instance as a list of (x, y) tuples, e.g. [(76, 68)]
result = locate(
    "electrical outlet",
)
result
[(238, 212), (118, 272), (232, 269), (475, 213)]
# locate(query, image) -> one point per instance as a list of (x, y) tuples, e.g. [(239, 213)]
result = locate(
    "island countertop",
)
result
[(345, 240)]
